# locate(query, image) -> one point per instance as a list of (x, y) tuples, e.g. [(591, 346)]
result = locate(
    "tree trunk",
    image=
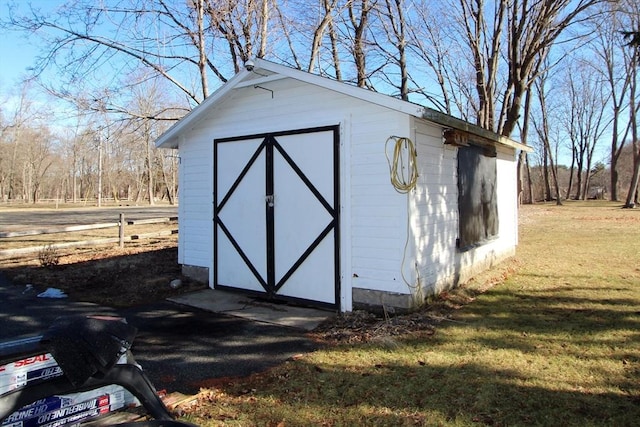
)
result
[(522, 158), (529, 181), (579, 173), (545, 168), (632, 195), (335, 51), (149, 164), (264, 29), (202, 59), (613, 177), (360, 25), (615, 154), (397, 33), (318, 34), (571, 173)]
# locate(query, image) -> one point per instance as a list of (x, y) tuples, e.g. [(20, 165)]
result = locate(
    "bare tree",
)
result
[(474, 58), (143, 131), (430, 43), (168, 163), (312, 32), (523, 161), (632, 194), (613, 61), (329, 9), (543, 130), (38, 159), (359, 16), (97, 42), (632, 11), (585, 119), (130, 167), (522, 33), (244, 25), (394, 48), (30, 157), (485, 38), (18, 123), (72, 145)]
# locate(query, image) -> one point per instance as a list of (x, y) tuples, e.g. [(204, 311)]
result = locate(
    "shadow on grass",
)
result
[(551, 315), (395, 395), (543, 358)]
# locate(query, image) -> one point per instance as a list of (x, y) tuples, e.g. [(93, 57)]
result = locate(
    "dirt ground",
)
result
[(140, 273)]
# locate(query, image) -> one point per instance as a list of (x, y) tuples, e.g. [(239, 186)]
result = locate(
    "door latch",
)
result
[(269, 200)]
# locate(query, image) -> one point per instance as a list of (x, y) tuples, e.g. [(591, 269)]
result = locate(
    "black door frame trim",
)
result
[(270, 144)]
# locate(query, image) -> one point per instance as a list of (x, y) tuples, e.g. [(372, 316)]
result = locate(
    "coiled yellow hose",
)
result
[(404, 177)]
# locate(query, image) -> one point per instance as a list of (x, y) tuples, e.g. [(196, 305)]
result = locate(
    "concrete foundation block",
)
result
[(199, 274)]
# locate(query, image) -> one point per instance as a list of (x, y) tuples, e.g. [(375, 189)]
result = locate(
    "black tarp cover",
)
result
[(477, 195)]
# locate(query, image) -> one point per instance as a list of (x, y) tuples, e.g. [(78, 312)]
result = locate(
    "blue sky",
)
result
[(17, 49), (17, 55)]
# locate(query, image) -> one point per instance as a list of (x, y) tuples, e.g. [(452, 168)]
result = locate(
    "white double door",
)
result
[(276, 214)]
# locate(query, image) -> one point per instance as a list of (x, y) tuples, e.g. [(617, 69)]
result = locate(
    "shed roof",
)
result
[(265, 71)]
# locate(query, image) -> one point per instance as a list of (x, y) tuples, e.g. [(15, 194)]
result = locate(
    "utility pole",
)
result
[(99, 139)]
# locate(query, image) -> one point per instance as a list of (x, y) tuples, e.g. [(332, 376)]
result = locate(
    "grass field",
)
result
[(557, 343)]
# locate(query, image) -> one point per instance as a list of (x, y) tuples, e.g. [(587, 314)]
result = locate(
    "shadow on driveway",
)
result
[(180, 348)]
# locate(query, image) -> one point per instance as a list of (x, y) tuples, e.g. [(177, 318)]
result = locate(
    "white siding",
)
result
[(376, 221), (196, 209), (375, 211), (433, 209), (508, 197), (378, 212), (434, 216)]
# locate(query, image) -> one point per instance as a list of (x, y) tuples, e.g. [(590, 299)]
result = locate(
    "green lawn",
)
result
[(556, 343)]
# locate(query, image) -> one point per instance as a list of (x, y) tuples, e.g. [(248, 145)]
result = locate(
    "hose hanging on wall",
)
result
[(403, 176), (403, 168)]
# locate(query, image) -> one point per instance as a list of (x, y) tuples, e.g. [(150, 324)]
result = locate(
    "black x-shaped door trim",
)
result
[(269, 145)]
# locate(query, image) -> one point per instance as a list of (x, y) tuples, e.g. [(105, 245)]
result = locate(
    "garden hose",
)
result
[(403, 176)]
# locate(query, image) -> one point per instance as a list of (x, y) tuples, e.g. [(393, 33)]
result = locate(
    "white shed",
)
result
[(285, 192)]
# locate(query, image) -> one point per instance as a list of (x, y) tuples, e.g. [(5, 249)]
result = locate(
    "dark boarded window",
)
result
[(477, 198)]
